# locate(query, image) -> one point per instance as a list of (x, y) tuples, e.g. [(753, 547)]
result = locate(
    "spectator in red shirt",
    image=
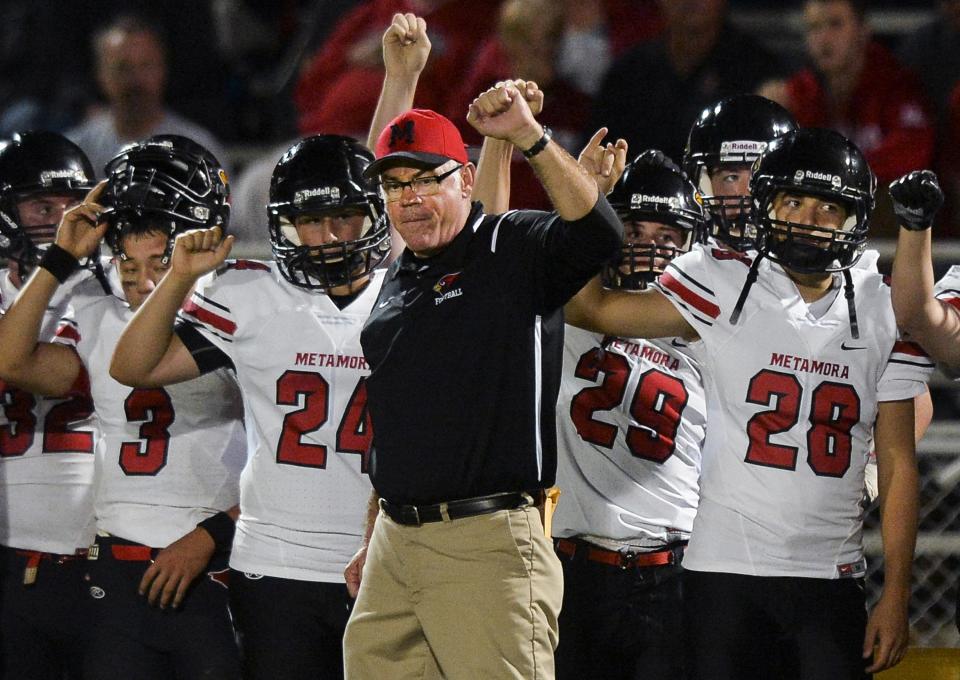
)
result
[(338, 86), (857, 87), (525, 46)]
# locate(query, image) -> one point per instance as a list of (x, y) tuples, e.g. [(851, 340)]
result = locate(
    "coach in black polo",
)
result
[(464, 345)]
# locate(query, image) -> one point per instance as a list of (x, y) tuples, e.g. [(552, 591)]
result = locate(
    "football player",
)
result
[(168, 460), (46, 444), (721, 148), (631, 423), (292, 329), (799, 379)]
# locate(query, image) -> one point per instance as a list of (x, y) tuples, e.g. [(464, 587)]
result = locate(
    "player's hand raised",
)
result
[(199, 251), (503, 113), (80, 230), (916, 199), (529, 90), (166, 580), (405, 46), (604, 162)]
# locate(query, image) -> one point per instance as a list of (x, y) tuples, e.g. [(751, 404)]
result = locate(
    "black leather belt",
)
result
[(415, 515)]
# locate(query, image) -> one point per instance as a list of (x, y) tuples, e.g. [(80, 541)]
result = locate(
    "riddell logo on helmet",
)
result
[(741, 149), (801, 175), (47, 176), (304, 195), (637, 200)]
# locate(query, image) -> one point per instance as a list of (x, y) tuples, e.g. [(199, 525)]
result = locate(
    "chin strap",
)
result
[(851, 306), (745, 291)]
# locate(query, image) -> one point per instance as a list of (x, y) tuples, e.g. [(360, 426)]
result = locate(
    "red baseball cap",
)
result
[(418, 138)]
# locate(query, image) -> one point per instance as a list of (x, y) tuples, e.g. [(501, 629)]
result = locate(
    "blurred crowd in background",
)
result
[(245, 77)]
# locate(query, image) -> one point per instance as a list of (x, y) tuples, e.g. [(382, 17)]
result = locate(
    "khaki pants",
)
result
[(471, 598)]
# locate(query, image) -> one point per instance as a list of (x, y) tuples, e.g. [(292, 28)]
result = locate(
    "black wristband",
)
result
[(59, 262), (221, 528), (540, 145)]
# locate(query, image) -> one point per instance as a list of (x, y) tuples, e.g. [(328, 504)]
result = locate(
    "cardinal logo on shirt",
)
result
[(444, 288), (445, 282)]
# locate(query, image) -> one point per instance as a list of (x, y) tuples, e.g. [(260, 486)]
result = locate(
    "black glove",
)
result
[(916, 199)]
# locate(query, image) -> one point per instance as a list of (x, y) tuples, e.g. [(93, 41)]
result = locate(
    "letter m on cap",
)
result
[(401, 133)]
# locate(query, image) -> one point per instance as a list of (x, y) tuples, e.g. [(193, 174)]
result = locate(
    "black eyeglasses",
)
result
[(422, 186)]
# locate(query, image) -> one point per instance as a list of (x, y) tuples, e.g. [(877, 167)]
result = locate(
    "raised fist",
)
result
[(916, 199), (81, 230), (406, 46)]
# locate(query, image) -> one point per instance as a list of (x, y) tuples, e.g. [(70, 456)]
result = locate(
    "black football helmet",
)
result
[(735, 130), (819, 163), (653, 189), (166, 182), (317, 175), (33, 164)]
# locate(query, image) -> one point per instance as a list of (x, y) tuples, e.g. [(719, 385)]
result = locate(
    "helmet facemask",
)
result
[(323, 177), (639, 264), (331, 265)]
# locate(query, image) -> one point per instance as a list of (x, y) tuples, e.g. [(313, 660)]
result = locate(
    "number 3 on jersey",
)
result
[(354, 435), (154, 408), (657, 405)]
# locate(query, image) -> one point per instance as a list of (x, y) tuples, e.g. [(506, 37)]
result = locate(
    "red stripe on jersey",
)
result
[(69, 332), (247, 264), (953, 302), (688, 296), (210, 318), (911, 348)]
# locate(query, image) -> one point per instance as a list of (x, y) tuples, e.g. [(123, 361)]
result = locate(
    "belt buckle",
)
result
[(626, 559), (416, 515)]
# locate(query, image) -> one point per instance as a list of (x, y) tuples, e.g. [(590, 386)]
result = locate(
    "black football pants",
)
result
[(289, 629), (621, 624), (781, 628)]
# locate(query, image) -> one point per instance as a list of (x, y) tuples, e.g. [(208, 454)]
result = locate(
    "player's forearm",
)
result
[(899, 529), (930, 322), (899, 483), (149, 335), (572, 191), (641, 314), (20, 326), (396, 96), (492, 184)]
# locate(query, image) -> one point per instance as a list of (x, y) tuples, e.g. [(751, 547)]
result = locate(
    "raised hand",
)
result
[(405, 46), (604, 162), (199, 251), (503, 113), (80, 230), (916, 199), (529, 90)]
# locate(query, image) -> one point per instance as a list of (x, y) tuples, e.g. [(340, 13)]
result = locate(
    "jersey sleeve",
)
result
[(687, 284), (209, 311), (906, 374), (947, 289)]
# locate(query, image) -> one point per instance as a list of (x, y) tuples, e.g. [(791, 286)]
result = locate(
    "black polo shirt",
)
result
[(465, 350)]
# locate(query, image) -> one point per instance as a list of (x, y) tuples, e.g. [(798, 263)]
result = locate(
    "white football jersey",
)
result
[(167, 457), (631, 421), (46, 452), (304, 492), (948, 287), (792, 399)]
